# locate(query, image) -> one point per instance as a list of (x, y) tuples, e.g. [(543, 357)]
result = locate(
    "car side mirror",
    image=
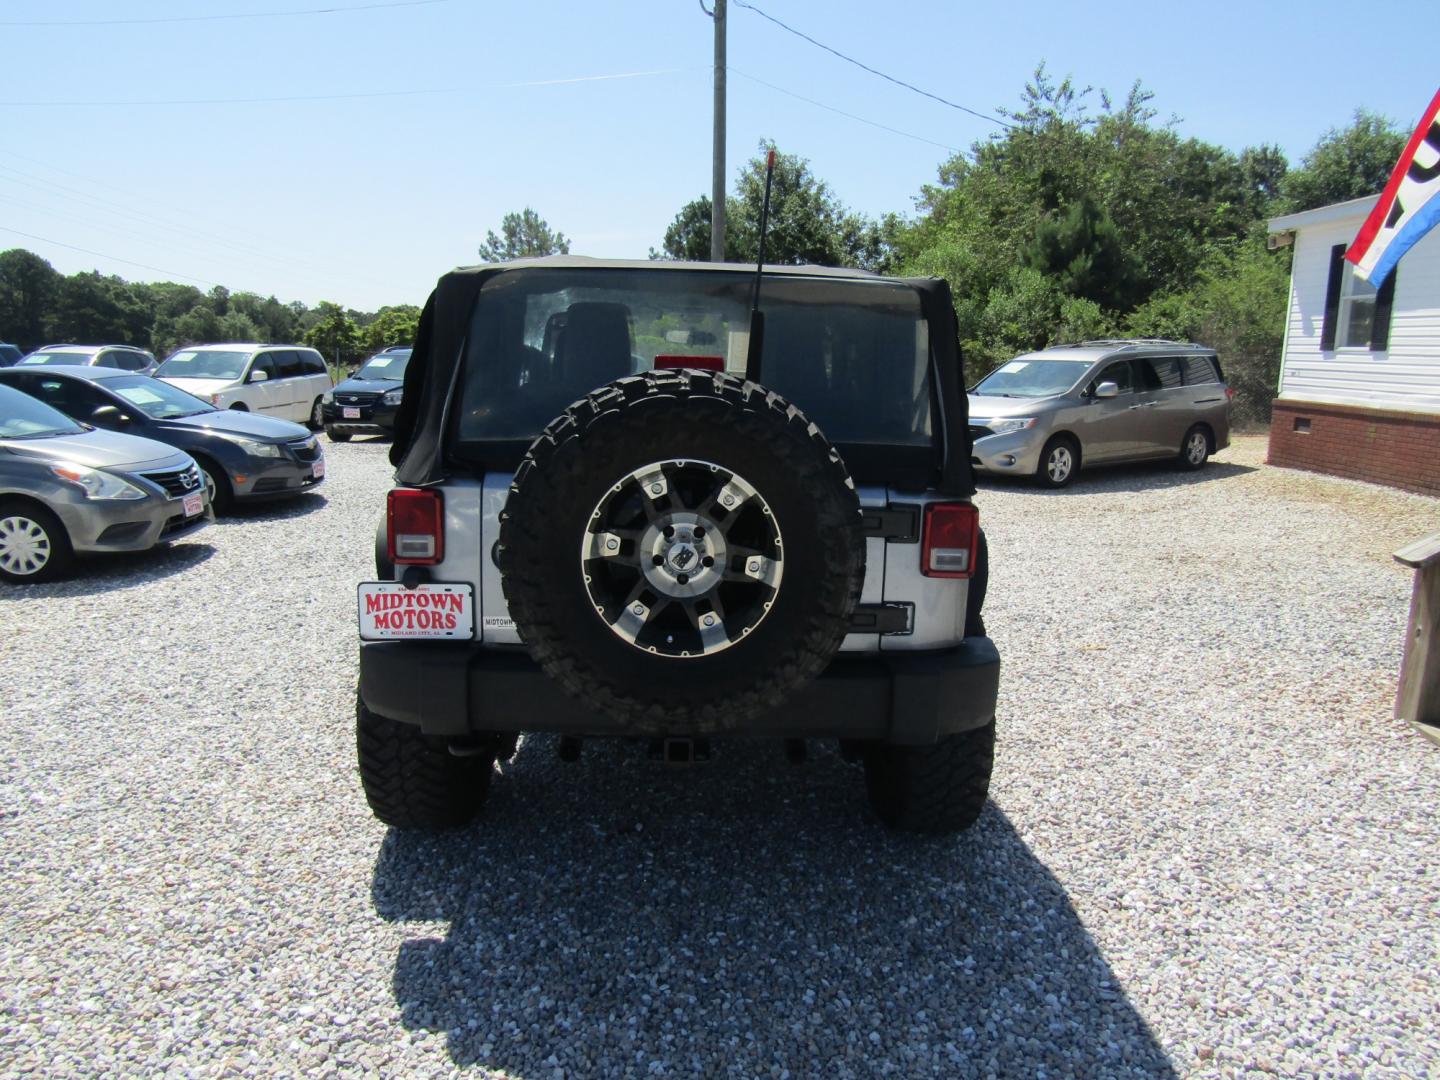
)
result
[(258, 376), (1107, 390), (108, 416)]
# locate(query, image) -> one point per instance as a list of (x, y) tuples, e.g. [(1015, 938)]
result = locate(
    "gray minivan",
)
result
[(1050, 413)]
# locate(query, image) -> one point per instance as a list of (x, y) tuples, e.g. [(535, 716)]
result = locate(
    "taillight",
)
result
[(949, 540), (1229, 393), (415, 527)]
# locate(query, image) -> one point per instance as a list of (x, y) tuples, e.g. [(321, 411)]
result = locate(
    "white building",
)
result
[(1360, 374)]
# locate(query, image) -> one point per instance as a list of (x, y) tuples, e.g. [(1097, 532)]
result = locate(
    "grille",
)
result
[(176, 482), (305, 449), (357, 399)]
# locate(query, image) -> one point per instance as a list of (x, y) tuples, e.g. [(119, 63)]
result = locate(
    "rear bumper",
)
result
[(909, 698), (373, 419)]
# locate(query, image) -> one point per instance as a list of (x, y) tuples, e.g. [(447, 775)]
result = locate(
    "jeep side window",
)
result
[(1119, 373)]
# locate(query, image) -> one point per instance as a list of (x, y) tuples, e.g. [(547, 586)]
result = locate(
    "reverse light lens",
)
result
[(96, 484), (949, 540), (414, 531)]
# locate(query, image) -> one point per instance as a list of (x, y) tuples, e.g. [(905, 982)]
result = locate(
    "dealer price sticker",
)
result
[(318, 470), (193, 504), (349, 413), (388, 611)]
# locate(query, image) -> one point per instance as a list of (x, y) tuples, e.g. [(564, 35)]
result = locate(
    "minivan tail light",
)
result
[(415, 527), (949, 540)]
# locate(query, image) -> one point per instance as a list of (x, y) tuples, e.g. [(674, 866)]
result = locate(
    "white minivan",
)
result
[(286, 381)]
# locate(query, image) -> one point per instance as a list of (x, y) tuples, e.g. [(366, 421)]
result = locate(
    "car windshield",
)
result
[(854, 354), (385, 366), (1029, 378), (157, 400), (47, 358), (23, 417), (204, 364)]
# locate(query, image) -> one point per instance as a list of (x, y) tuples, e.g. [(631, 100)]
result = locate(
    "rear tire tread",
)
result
[(411, 780), (934, 789)]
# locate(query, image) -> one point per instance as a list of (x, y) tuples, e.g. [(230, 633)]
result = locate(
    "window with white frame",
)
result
[(1357, 311)]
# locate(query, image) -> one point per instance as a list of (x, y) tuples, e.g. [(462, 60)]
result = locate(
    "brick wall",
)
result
[(1383, 446)]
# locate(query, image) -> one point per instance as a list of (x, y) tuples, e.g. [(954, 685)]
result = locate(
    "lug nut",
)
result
[(638, 609), (669, 531), (708, 561), (728, 500), (754, 568), (709, 620), (612, 545), (683, 579), (659, 560), (699, 532), (656, 489)]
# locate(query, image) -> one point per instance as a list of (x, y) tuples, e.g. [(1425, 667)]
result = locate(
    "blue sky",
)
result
[(367, 200)]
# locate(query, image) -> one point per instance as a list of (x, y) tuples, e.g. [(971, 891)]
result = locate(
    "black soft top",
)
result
[(435, 365)]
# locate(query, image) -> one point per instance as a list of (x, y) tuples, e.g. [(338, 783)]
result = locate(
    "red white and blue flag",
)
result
[(1408, 208)]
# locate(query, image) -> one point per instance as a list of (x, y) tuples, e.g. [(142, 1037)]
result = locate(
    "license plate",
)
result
[(194, 503), (319, 469), (388, 610), (350, 413)]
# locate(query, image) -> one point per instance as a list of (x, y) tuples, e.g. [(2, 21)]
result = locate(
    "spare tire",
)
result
[(682, 551)]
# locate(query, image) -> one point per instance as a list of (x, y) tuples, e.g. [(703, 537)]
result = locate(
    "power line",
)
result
[(842, 112), (349, 97), (237, 15), (102, 255), (871, 70)]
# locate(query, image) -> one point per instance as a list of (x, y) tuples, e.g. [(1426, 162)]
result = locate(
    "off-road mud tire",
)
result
[(693, 416), (933, 789), (411, 780)]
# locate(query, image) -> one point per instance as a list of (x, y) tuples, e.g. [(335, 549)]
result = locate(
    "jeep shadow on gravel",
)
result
[(679, 501)]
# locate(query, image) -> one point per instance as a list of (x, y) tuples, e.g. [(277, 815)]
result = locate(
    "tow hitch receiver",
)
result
[(676, 750)]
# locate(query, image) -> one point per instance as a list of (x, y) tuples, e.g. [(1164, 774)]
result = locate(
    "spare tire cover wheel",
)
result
[(682, 552)]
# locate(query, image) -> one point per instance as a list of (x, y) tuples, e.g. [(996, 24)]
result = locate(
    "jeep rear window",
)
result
[(854, 355)]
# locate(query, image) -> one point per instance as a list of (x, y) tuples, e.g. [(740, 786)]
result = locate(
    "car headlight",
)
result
[(392, 397), (256, 449), (1011, 423), (327, 398), (95, 483)]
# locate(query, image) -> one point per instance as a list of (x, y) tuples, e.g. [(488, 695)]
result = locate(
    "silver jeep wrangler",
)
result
[(679, 501)]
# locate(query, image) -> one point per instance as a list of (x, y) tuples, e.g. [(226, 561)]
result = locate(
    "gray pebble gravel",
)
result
[(1210, 850)]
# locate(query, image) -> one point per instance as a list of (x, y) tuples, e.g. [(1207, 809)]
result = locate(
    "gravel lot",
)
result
[(1210, 851)]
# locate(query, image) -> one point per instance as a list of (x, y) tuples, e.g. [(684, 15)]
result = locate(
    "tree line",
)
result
[(1084, 218), (39, 306)]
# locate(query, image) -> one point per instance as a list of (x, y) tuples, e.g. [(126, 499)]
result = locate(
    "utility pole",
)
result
[(717, 174)]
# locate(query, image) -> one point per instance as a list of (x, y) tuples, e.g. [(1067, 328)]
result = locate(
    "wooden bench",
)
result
[(1418, 699)]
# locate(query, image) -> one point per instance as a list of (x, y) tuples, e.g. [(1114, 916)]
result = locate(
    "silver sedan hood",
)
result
[(99, 450)]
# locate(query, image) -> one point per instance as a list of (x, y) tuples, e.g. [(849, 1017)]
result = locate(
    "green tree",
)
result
[(28, 287), (1346, 164), (392, 326), (1080, 250), (274, 321), (523, 235), (808, 224), (93, 309), (334, 334)]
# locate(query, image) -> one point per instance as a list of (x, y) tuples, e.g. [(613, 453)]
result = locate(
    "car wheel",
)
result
[(931, 789), (1195, 449), (217, 483), (317, 416), (412, 780), (337, 436), (682, 552), (1059, 462), (34, 546)]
